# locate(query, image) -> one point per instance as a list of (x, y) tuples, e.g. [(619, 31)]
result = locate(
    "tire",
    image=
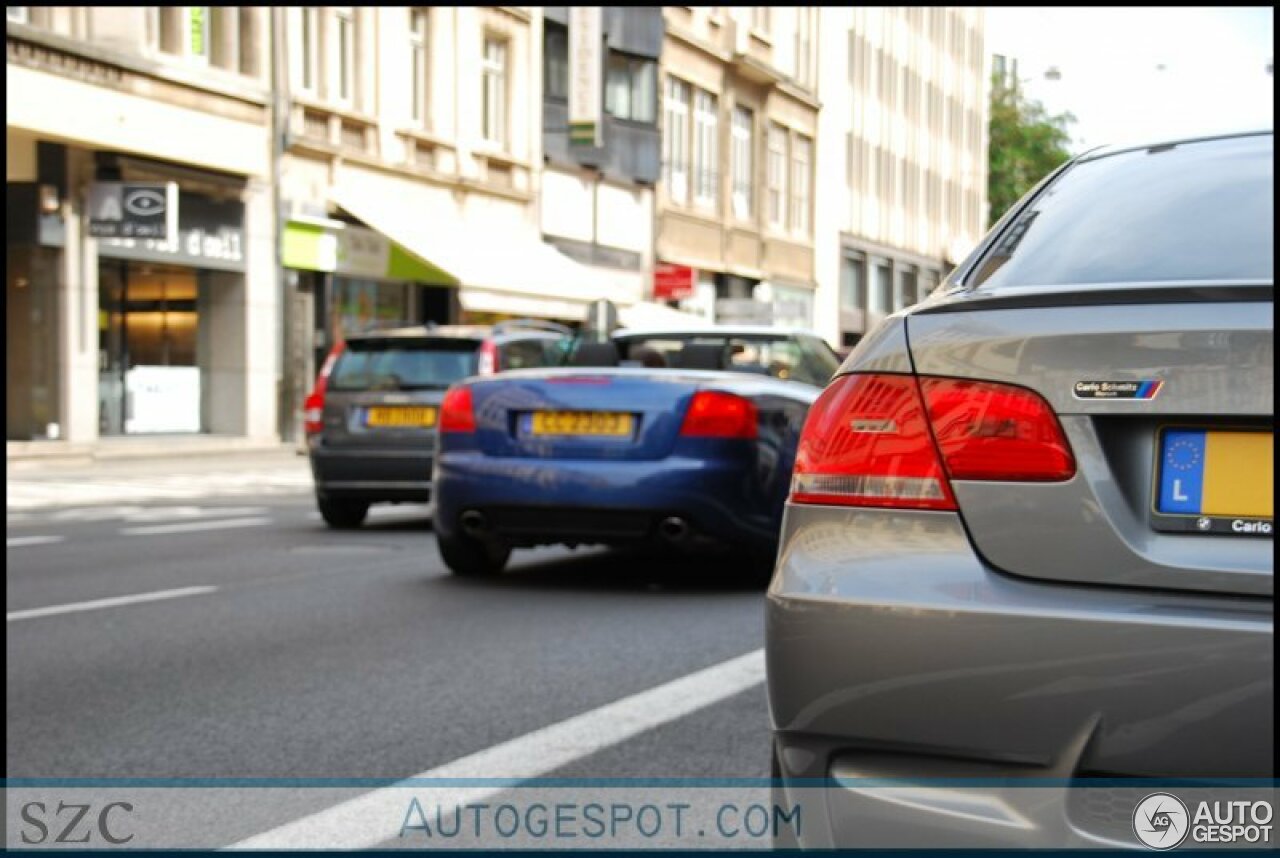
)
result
[(471, 558), (342, 514)]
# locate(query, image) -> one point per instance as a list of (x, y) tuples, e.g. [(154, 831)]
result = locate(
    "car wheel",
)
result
[(342, 514), (471, 557)]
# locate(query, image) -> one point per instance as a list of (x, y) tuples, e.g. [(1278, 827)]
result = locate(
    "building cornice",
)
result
[(206, 80)]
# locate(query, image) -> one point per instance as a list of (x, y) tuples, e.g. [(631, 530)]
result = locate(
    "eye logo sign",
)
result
[(144, 202), (1161, 821)]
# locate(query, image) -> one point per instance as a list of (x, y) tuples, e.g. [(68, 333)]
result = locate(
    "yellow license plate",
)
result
[(606, 423), (1208, 472), (392, 418)]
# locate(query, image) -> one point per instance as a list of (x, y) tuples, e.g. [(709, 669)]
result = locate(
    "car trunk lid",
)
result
[(1140, 390)]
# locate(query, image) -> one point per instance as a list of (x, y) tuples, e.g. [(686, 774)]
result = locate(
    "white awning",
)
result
[(647, 314), (497, 262)]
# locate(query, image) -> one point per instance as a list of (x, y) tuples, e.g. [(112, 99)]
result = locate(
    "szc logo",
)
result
[(1161, 821)]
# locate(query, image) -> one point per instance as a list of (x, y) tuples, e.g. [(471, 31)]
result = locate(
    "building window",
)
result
[(675, 140), (801, 156), (804, 45), (198, 31), (310, 53), (743, 162), (555, 55), (882, 295), (494, 91), (18, 14), (852, 275), (906, 292), (706, 148), (345, 29), (419, 32), (629, 90), (776, 170)]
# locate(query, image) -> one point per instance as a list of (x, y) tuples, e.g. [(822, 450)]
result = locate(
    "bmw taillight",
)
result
[(714, 414), (313, 406), (488, 363), (456, 411), (892, 441)]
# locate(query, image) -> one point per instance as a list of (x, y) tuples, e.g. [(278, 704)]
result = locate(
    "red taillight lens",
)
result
[(996, 432), (713, 414), (866, 443), (313, 406), (870, 441), (456, 412), (313, 412), (488, 363)]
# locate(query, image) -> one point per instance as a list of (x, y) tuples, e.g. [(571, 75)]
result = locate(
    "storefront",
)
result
[(348, 279), (165, 309)]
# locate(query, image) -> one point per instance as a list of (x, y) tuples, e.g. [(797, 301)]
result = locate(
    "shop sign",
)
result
[(673, 282), (132, 210), (209, 234), (586, 63)]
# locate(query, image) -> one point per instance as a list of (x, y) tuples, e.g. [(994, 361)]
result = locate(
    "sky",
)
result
[(1143, 74)]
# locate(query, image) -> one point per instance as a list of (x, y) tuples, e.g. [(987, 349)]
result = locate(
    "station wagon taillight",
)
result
[(488, 361), (313, 406), (890, 440), (456, 411)]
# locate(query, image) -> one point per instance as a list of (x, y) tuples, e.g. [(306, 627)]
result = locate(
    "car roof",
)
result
[(1116, 149), (714, 331)]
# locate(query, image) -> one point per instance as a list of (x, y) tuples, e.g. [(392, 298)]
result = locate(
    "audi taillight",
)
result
[(488, 362), (892, 441), (313, 406), (714, 414), (456, 412)]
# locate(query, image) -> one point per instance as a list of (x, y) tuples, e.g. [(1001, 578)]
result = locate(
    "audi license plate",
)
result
[(599, 424)]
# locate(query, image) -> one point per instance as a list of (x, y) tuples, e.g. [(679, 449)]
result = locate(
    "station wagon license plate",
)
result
[(1214, 481), (398, 417), (606, 424)]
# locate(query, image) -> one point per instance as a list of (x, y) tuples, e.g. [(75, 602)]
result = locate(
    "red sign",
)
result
[(673, 282)]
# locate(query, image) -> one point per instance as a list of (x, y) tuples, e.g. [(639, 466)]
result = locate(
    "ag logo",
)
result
[(1161, 821)]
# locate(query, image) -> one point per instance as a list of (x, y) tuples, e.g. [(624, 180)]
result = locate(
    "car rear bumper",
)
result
[(894, 651), (533, 501), (377, 474)]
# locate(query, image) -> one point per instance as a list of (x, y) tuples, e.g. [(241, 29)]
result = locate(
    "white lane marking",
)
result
[(19, 541), (114, 602), (376, 816), (184, 527)]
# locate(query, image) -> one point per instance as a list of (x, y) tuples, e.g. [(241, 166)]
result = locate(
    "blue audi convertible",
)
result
[(678, 439)]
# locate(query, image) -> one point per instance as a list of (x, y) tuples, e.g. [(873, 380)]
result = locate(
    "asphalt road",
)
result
[(241, 638)]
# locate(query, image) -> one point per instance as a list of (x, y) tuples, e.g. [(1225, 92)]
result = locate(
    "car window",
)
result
[(803, 359), (403, 365), (1193, 211), (523, 354)]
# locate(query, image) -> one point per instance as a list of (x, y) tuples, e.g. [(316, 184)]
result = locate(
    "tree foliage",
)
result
[(1026, 143)]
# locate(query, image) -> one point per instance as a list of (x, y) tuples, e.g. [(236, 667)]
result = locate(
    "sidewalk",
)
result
[(42, 455), (127, 473)]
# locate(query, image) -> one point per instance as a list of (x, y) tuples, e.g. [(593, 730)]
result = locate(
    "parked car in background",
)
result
[(371, 420), (1030, 527), (682, 438)]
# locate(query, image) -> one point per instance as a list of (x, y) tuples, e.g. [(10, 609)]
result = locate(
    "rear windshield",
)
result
[(1195, 211), (395, 364), (795, 358)]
